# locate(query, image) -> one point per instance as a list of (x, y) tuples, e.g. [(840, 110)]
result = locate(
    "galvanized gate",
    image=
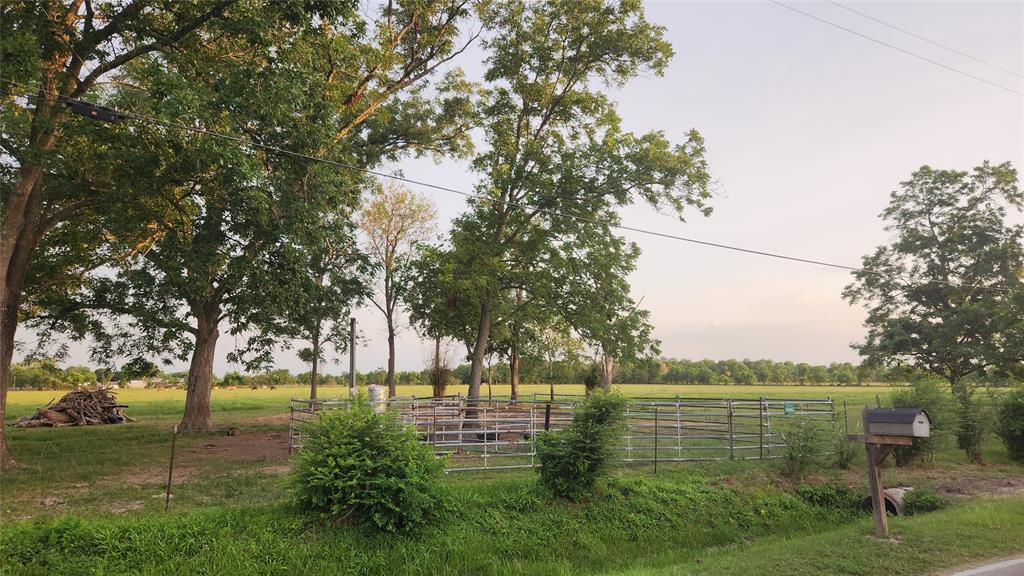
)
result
[(501, 433)]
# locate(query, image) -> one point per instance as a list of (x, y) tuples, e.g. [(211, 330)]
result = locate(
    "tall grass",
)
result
[(496, 527)]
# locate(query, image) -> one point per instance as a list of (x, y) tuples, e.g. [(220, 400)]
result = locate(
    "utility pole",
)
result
[(352, 357)]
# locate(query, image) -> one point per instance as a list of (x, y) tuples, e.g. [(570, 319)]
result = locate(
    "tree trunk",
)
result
[(513, 369), (14, 269), (8, 327), (438, 381), (200, 372), (314, 368), (391, 358), (607, 372), (483, 334)]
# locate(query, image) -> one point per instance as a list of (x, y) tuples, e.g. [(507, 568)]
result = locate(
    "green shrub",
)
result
[(805, 446), (830, 496), (574, 458), (846, 451), (368, 467), (1010, 424), (933, 399), (973, 424), (920, 501)]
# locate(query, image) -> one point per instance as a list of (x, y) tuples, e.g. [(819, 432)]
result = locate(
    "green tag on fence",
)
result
[(789, 408)]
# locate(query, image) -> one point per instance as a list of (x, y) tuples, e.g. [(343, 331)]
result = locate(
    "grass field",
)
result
[(90, 500), (169, 402)]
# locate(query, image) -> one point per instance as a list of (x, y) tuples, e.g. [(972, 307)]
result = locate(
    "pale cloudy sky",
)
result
[(808, 128)]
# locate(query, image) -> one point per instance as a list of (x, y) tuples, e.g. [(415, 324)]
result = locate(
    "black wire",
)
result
[(290, 153), (928, 40), (894, 47)]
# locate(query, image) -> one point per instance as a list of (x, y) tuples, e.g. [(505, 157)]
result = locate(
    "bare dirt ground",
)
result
[(244, 446)]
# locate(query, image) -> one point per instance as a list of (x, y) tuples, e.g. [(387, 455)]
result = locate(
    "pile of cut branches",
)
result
[(79, 408)]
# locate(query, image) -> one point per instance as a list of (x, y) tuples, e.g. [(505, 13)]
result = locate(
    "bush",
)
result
[(1010, 424), (830, 496), (369, 467), (920, 501), (972, 424), (933, 399), (846, 452), (805, 446), (574, 458)]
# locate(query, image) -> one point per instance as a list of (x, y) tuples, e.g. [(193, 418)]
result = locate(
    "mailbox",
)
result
[(912, 422)]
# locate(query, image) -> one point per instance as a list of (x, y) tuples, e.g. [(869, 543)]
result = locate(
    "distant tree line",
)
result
[(47, 375)]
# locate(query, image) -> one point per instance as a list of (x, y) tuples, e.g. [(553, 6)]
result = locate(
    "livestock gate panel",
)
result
[(501, 433)]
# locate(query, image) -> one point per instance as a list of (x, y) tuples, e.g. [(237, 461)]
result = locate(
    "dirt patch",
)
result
[(970, 486), (277, 419), (252, 446), (122, 507)]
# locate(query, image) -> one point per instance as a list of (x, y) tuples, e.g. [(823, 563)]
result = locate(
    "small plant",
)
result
[(920, 501), (574, 458), (972, 425), (830, 496), (805, 446), (928, 395), (1010, 424), (368, 467), (846, 452)]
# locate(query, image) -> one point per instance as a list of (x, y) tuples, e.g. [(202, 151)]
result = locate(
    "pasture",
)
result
[(104, 485)]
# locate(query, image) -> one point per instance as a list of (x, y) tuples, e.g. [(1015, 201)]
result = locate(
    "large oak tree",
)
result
[(557, 162), (945, 296)]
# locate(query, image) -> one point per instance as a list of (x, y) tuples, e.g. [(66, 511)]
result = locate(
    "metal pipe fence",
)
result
[(501, 433)]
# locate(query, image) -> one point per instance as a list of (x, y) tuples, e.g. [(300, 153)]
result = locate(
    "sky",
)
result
[(808, 129)]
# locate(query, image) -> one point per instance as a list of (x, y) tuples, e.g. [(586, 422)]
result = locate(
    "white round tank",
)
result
[(378, 398)]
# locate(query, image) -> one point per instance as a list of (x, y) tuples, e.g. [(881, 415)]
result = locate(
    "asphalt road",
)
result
[(1004, 568)]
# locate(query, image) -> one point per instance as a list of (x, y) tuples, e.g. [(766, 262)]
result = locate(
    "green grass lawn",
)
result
[(981, 530), (682, 522)]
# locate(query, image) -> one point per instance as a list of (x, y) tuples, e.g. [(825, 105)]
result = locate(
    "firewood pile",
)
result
[(78, 408)]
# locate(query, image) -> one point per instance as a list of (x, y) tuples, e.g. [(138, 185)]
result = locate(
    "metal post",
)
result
[(730, 430), (679, 431), (655, 439), (170, 469), (533, 435), (352, 357), (629, 434), (760, 427)]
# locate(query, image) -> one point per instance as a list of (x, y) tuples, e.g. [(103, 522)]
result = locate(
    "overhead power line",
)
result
[(346, 166), (925, 39), (897, 48)]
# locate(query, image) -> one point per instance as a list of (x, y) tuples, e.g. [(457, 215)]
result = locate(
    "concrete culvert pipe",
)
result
[(894, 499)]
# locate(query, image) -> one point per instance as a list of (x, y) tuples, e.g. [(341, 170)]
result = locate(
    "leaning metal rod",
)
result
[(170, 469)]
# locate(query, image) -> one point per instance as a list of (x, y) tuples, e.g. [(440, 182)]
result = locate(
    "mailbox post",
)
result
[(884, 430)]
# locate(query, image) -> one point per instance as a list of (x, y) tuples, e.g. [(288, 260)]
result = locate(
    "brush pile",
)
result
[(79, 408)]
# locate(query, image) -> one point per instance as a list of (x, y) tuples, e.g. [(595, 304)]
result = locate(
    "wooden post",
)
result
[(875, 485), (547, 417), (170, 470)]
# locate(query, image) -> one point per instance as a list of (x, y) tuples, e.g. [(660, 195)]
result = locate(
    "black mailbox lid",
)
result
[(894, 415)]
